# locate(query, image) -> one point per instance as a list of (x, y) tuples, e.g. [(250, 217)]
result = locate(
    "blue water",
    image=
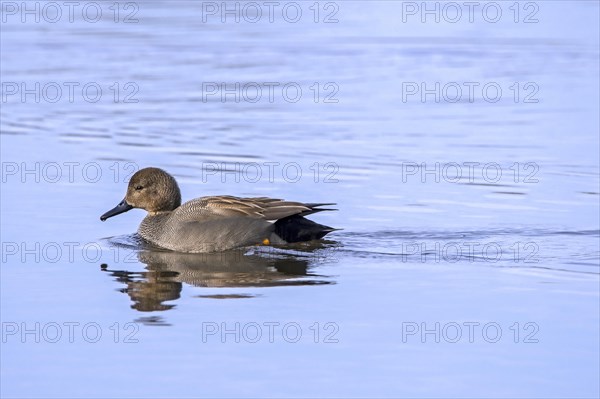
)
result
[(469, 260)]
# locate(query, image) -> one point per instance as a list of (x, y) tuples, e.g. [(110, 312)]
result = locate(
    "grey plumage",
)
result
[(214, 223)]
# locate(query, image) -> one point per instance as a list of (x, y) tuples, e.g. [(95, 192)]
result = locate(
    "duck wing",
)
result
[(226, 206)]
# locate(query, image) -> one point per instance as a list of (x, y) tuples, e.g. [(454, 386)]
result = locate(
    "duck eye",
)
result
[(138, 188)]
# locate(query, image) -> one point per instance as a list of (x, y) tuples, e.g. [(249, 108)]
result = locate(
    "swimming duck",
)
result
[(214, 223)]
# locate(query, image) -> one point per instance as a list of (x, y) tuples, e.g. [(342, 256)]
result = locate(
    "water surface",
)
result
[(468, 263)]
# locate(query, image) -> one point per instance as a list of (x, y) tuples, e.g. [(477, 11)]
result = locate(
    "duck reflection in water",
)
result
[(167, 271)]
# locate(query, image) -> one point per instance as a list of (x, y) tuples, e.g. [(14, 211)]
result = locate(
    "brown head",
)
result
[(151, 189)]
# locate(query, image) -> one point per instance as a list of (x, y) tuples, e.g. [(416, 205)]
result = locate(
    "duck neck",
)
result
[(153, 226)]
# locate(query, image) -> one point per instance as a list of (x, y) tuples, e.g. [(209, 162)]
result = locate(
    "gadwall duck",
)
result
[(216, 223)]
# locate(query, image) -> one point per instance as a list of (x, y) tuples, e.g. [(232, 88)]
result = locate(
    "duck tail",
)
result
[(297, 228)]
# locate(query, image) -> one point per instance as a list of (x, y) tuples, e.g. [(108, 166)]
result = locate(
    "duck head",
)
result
[(151, 189)]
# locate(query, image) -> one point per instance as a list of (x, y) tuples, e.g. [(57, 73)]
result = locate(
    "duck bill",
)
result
[(121, 208)]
